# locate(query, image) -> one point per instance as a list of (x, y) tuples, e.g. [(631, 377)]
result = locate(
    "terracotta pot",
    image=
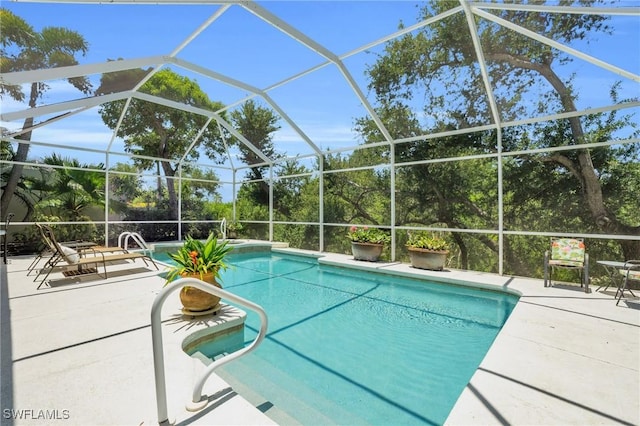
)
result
[(196, 300), (428, 259), (366, 251)]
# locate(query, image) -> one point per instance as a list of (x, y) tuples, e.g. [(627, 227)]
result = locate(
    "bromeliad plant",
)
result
[(427, 241), (197, 257), (368, 235)]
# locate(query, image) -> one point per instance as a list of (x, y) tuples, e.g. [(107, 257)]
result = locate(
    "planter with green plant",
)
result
[(367, 243), (234, 229), (427, 250), (202, 260)]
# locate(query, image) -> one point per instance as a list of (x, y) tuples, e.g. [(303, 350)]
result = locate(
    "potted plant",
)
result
[(202, 260), (234, 229), (367, 243), (427, 251)]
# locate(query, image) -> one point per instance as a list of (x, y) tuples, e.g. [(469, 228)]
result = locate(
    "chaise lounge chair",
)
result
[(88, 257), (567, 253), (49, 250)]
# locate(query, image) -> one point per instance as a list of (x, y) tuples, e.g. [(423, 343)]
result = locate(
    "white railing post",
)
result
[(158, 353)]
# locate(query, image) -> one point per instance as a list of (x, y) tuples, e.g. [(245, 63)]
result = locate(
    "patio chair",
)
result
[(48, 250), (631, 273), (567, 253), (89, 257)]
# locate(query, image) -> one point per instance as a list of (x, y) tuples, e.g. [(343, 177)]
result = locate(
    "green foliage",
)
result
[(234, 227), (368, 235), (436, 70), (197, 257), (257, 124), (361, 195), (23, 49), (125, 186), (427, 240), (173, 130), (31, 238)]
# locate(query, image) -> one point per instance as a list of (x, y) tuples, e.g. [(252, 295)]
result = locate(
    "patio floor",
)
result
[(80, 353)]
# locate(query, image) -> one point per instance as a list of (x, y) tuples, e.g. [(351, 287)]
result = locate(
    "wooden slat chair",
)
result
[(89, 257), (631, 273), (567, 253)]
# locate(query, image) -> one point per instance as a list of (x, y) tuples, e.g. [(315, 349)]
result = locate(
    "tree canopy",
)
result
[(22, 49), (154, 130), (440, 62)]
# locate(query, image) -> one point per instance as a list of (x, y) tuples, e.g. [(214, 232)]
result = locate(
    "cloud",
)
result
[(73, 136), (323, 135)]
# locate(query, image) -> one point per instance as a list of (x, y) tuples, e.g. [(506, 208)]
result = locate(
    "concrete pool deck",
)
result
[(80, 353)]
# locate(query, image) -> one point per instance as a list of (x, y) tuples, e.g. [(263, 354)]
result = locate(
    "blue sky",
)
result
[(242, 46)]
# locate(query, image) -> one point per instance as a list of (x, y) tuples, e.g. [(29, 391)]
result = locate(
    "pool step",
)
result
[(292, 402), (221, 355)]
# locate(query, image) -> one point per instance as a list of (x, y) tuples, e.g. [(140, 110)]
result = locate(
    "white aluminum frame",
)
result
[(472, 11)]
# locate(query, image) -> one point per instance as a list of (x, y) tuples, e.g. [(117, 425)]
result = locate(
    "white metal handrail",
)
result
[(223, 228), (124, 237), (198, 401)]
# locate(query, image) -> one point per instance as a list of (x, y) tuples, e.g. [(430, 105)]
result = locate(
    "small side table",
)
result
[(615, 278)]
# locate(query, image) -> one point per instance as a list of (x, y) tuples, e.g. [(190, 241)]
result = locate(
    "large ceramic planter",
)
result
[(366, 251), (196, 300), (428, 259)]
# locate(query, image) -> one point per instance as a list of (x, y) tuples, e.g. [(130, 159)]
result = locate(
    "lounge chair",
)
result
[(48, 251), (89, 257), (567, 253), (631, 273)]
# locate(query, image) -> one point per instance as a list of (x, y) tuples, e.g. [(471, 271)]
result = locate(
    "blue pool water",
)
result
[(351, 347)]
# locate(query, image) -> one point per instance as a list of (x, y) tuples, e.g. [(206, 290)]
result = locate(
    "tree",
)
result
[(72, 189), (23, 49), (154, 130), (440, 61), (205, 185), (124, 187), (257, 124)]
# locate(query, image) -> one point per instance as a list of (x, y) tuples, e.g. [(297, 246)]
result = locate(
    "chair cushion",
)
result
[(566, 263), (568, 250), (633, 274), (71, 254)]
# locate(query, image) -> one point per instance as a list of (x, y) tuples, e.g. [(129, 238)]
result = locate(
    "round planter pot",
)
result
[(195, 300), (366, 251), (428, 259)]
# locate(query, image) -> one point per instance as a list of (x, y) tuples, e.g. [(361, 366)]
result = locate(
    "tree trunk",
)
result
[(585, 172), (20, 157), (171, 190), (583, 169)]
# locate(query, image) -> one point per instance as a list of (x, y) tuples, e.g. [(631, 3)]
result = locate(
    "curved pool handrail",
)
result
[(198, 402), (124, 237), (223, 228)]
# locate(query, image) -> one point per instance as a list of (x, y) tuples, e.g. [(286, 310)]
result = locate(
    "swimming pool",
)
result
[(352, 347)]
